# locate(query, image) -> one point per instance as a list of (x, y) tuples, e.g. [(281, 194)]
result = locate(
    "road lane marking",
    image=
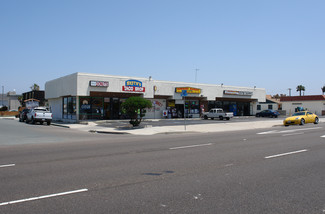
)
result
[(322, 136), (186, 147), (287, 131), (298, 133), (7, 165), (303, 129), (268, 132), (43, 197), (284, 154)]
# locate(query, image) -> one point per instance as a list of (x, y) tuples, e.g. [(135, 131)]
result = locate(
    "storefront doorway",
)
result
[(239, 108)]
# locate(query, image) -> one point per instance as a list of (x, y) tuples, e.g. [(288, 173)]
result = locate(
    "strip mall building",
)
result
[(83, 96)]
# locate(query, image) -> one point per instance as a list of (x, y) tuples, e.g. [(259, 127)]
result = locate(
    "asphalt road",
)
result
[(46, 169)]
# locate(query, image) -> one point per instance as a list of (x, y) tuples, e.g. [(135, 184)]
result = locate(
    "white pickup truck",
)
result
[(39, 114), (217, 113)]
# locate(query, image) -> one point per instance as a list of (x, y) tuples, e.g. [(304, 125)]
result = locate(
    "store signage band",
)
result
[(240, 93), (133, 86), (98, 83), (189, 90)]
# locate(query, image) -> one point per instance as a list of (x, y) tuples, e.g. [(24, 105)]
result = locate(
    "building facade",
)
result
[(313, 103), (11, 100), (83, 96), (35, 94)]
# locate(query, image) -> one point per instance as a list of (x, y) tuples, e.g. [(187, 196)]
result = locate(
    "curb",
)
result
[(59, 125), (107, 132)]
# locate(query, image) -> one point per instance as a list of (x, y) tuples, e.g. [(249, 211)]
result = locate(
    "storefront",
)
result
[(81, 96)]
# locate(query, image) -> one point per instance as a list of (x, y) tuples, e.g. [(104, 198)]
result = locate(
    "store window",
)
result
[(258, 107), (270, 107), (85, 108), (91, 108), (69, 108), (192, 108)]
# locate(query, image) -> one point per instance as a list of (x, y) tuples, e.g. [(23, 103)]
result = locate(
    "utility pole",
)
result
[(3, 88), (289, 92), (196, 70)]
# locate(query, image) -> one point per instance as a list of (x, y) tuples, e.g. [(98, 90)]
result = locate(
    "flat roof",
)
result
[(303, 98)]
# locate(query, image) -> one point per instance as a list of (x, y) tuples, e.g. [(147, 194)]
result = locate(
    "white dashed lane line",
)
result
[(42, 197), (191, 146), (288, 131), (284, 154), (7, 165)]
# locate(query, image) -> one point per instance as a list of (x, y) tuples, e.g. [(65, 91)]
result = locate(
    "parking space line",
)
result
[(7, 165), (43, 197), (186, 147), (284, 154)]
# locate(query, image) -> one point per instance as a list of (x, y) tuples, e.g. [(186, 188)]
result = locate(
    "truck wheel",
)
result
[(48, 123), (26, 121), (205, 117), (221, 117)]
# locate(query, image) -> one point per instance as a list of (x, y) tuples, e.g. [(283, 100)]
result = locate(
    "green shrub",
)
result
[(135, 107)]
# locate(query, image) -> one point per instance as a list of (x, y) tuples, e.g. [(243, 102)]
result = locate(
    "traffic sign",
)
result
[(184, 93)]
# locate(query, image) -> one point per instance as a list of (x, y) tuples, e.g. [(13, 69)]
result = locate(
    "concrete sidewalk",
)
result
[(96, 127), (150, 130)]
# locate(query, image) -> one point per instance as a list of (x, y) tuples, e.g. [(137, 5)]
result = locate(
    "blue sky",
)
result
[(271, 44)]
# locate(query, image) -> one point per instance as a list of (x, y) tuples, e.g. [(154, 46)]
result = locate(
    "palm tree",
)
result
[(35, 87), (300, 88), (323, 89)]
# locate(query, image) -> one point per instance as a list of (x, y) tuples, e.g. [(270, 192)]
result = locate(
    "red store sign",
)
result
[(133, 89)]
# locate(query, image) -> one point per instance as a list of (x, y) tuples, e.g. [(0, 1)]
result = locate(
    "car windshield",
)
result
[(299, 114)]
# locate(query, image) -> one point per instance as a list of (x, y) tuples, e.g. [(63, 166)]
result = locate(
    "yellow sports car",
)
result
[(301, 118)]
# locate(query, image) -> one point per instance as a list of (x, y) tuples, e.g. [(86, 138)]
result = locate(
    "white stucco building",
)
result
[(82, 96), (313, 103)]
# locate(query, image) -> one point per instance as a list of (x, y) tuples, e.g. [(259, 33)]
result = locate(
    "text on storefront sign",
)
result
[(98, 83), (133, 86), (189, 90)]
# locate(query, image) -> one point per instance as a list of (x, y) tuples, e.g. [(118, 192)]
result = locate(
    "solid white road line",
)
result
[(322, 136), (42, 197), (288, 153), (186, 147), (7, 165)]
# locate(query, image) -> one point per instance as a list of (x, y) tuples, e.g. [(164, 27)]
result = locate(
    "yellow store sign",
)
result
[(189, 90)]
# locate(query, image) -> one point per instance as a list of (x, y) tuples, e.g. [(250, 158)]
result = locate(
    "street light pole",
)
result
[(3, 88), (196, 70)]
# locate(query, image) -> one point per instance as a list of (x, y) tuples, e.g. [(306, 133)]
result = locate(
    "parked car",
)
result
[(268, 113), (39, 114), (218, 113), (301, 118), (23, 115)]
